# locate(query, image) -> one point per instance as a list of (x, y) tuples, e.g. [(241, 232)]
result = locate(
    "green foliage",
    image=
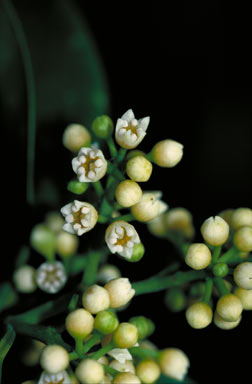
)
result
[(5, 345)]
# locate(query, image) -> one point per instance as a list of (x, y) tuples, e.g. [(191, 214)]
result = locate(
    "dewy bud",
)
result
[(245, 295), (126, 377), (215, 231), (198, 256), (223, 324), (149, 207), (179, 220), (80, 217), (242, 217), (128, 193), (199, 315), (66, 244), (148, 371), (243, 239), (139, 169), (79, 323), (43, 240), (76, 136), (243, 275), (126, 335), (24, 279), (129, 131), (54, 359), (167, 153), (103, 126), (89, 371), (95, 299), (121, 237), (229, 307), (174, 363), (89, 165), (120, 292), (106, 322)]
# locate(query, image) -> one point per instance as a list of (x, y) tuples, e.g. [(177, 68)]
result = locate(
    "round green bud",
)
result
[(175, 299), (220, 269), (144, 326), (43, 240), (138, 252), (125, 336), (103, 126), (106, 322), (77, 187), (197, 290)]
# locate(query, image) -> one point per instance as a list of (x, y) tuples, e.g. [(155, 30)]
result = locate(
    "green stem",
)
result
[(98, 188), (143, 353), (103, 351), (112, 147), (216, 254), (31, 95), (156, 284), (89, 276), (208, 290), (109, 370), (220, 285), (127, 217), (102, 219), (91, 342), (227, 256), (78, 346)]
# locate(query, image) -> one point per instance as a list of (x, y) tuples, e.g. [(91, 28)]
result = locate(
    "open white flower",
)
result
[(58, 378), (129, 131), (121, 237), (120, 354), (80, 217), (90, 165), (51, 277)]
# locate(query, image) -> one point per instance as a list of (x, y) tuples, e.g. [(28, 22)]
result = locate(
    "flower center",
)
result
[(125, 238), (89, 163), (132, 128)]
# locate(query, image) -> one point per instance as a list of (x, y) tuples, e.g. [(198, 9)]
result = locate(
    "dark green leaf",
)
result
[(8, 296), (166, 380), (5, 345)]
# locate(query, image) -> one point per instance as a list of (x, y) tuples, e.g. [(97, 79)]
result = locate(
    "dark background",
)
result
[(188, 66)]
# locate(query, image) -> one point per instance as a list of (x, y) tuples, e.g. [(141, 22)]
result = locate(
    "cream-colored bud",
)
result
[(226, 215), (174, 363), (24, 279), (76, 136), (243, 239), (215, 231), (223, 324), (54, 221), (54, 359), (80, 217), (128, 193), (245, 295), (149, 207), (229, 307), (243, 275), (125, 335), (95, 299), (157, 226), (139, 169), (51, 378), (108, 272), (199, 315), (126, 378), (242, 217), (31, 356), (167, 153), (79, 323), (66, 244), (148, 371), (89, 371), (120, 292), (121, 237), (198, 256), (180, 220), (127, 366)]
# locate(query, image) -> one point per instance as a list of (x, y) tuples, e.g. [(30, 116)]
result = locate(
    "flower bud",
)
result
[(157, 226), (43, 240), (128, 193), (80, 217), (76, 136), (54, 221), (126, 377), (79, 323), (106, 322), (223, 324), (137, 254), (133, 153), (198, 256), (149, 207), (243, 239), (66, 244), (175, 299), (174, 363), (220, 269), (127, 366), (89, 371), (108, 272), (199, 315), (24, 279), (245, 295), (145, 327), (48, 378), (95, 299), (103, 126), (215, 231), (167, 153), (148, 371), (139, 169), (229, 307), (227, 215), (120, 292), (179, 220), (126, 335), (31, 356), (242, 217), (129, 131), (90, 165), (77, 187), (51, 277), (54, 359), (121, 237), (243, 275)]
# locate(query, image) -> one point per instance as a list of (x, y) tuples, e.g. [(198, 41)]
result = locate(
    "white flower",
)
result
[(121, 237), (51, 277), (80, 217), (89, 165), (120, 354), (129, 131), (59, 378)]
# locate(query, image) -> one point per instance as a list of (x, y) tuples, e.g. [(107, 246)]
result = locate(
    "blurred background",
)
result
[(186, 65)]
